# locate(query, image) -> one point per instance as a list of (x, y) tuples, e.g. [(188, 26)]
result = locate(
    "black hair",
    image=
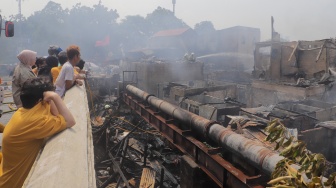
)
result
[(62, 59), (52, 61), (39, 61), (32, 91), (81, 64), (45, 71)]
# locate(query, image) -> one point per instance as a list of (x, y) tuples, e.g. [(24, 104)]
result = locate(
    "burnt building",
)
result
[(176, 42), (288, 61), (232, 54), (148, 74), (238, 39)]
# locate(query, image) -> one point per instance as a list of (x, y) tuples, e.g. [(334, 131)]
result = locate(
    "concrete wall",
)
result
[(312, 58), (316, 109), (238, 39), (185, 42), (217, 90), (262, 60), (207, 43), (151, 74), (266, 93), (320, 140), (67, 160), (209, 107), (229, 91)]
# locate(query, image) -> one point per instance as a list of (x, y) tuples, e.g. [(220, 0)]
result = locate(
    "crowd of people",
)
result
[(38, 86)]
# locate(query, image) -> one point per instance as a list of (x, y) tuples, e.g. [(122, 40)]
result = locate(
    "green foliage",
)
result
[(163, 19), (83, 26), (312, 165)]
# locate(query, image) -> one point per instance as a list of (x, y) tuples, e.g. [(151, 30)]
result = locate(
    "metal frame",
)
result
[(125, 82), (218, 169)]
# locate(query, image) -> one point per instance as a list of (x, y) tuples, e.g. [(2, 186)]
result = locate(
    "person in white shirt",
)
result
[(66, 78)]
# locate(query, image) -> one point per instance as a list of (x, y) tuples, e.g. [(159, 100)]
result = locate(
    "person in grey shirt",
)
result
[(22, 72)]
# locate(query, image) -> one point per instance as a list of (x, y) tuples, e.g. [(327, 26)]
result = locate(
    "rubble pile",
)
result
[(125, 144)]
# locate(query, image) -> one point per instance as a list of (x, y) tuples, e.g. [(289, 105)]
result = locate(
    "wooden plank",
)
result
[(147, 178), (294, 50)]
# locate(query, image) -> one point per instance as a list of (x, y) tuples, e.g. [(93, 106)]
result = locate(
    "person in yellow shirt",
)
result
[(42, 115)]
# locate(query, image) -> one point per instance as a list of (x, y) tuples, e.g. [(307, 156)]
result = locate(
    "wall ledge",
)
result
[(67, 160)]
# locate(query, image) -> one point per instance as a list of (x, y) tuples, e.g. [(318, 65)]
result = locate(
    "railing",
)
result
[(67, 160)]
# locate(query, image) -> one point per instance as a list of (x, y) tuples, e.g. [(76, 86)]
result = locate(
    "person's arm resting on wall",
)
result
[(61, 107), (53, 108), (70, 79), (69, 83)]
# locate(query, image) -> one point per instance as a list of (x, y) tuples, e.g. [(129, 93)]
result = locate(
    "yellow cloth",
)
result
[(55, 72), (2, 128), (35, 71), (22, 140)]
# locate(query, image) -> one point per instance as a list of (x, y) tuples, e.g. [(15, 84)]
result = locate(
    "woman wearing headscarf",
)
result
[(22, 72)]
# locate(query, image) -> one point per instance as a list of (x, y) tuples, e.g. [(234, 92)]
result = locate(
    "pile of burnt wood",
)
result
[(125, 145)]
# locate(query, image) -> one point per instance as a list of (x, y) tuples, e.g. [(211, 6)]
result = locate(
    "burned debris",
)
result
[(301, 63), (201, 119), (127, 150)]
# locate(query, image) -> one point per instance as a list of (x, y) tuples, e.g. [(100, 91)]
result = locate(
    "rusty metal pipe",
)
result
[(260, 156), (194, 121), (252, 151), (138, 92)]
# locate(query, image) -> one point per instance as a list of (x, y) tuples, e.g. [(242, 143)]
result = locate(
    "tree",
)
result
[(91, 24), (205, 27), (134, 32), (84, 26), (207, 38), (44, 28), (163, 19)]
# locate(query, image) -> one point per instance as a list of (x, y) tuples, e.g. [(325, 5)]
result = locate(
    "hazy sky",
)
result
[(294, 19)]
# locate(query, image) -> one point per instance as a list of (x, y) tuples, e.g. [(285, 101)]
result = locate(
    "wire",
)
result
[(94, 113), (153, 133), (145, 131)]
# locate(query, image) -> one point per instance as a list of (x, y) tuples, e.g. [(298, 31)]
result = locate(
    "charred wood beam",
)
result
[(117, 167), (162, 177), (108, 181), (294, 50), (134, 129), (320, 52)]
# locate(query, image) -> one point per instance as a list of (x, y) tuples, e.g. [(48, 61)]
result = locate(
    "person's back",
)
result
[(66, 74), (62, 58), (24, 134), (21, 73), (23, 138)]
